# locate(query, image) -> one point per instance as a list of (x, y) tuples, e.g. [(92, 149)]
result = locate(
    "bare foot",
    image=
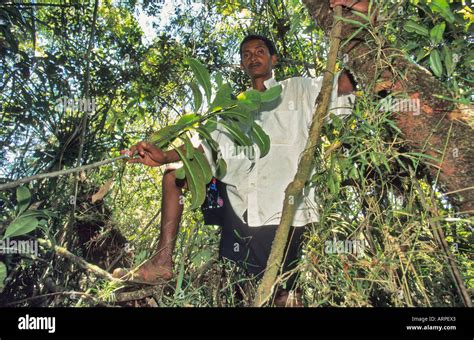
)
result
[(156, 268), (152, 271)]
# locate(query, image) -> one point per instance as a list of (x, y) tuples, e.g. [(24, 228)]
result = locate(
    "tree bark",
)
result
[(440, 129)]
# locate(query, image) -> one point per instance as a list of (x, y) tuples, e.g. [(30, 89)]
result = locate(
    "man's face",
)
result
[(256, 60)]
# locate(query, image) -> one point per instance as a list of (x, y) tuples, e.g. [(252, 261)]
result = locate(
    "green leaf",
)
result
[(422, 155), (349, 39), (218, 79), (210, 125), (410, 46), (221, 168), (205, 135), (354, 174), (332, 185), (414, 27), (362, 15), (240, 115), (237, 135), (336, 121), (23, 197), (188, 146), (140, 257), (350, 21), (223, 97), (195, 180), (261, 139), (132, 103), (180, 173), (200, 184), (3, 275), (435, 63), (374, 158), (43, 226), (202, 76), (250, 99), (205, 167), (164, 136), (271, 94), (442, 7), (21, 226), (38, 213), (436, 33), (393, 126), (202, 257), (464, 101), (448, 60), (469, 59), (187, 119), (420, 54), (197, 96)]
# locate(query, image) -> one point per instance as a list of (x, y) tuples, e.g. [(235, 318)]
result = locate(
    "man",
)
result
[(253, 193)]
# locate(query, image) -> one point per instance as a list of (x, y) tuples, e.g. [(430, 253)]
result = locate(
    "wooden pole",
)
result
[(294, 190)]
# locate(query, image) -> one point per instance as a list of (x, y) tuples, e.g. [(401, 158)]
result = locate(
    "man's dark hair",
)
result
[(268, 43)]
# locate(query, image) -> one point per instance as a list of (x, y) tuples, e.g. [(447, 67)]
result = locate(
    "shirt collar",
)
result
[(270, 83)]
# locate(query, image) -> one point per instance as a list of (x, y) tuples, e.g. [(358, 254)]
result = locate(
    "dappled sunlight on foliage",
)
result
[(372, 189)]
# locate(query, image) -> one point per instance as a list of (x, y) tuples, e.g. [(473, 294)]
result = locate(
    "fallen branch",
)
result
[(294, 190), (137, 294), (61, 172), (71, 294), (92, 268)]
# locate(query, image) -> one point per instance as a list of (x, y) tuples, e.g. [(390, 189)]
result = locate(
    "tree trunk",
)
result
[(439, 129)]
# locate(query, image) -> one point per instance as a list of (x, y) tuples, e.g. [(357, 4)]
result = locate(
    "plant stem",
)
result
[(60, 172), (294, 189)]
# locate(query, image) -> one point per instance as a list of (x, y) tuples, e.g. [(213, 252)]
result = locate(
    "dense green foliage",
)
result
[(370, 189)]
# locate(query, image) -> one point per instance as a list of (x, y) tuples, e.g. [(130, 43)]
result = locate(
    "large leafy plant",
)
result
[(435, 36), (26, 220), (235, 115)]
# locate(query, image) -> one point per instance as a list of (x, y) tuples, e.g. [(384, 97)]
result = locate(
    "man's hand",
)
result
[(356, 5), (146, 153)]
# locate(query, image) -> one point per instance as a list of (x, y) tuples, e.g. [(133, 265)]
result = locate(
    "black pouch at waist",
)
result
[(214, 205)]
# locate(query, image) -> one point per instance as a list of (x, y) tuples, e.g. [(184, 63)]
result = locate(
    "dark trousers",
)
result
[(248, 247)]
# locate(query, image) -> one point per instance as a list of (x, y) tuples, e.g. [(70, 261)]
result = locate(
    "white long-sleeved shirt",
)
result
[(259, 188)]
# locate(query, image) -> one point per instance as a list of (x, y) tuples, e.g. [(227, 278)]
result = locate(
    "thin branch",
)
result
[(85, 117), (22, 5), (137, 294), (60, 172), (294, 189), (92, 268)]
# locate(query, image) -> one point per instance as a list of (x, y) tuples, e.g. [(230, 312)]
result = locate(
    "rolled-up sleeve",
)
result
[(339, 105)]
